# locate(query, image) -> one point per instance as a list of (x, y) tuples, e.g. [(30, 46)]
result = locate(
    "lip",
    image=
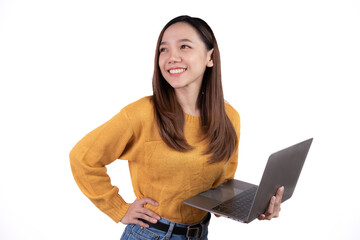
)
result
[(176, 70)]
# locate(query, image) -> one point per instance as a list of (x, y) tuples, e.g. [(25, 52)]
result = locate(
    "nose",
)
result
[(174, 57)]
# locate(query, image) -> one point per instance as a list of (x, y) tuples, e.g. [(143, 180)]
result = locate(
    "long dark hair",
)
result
[(169, 116)]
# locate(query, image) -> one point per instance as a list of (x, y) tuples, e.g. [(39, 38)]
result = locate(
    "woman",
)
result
[(179, 142)]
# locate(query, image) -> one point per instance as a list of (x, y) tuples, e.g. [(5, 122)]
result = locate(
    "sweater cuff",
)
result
[(118, 208)]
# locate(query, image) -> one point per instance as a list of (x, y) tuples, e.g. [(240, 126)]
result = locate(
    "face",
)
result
[(183, 57)]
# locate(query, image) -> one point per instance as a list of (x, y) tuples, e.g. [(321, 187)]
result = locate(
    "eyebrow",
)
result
[(181, 40)]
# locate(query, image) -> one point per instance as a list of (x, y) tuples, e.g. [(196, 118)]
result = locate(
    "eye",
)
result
[(185, 46), (162, 50)]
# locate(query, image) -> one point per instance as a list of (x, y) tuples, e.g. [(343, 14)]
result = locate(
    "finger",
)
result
[(271, 207), (274, 206), (145, 201), (140, 223), (277, 206), (147, 215), (269, 212), (150, 213), (280, 193), (146, 218), (134, 220), (141, 209)]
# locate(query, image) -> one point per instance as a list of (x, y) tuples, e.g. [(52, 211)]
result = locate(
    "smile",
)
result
[(177, 70)]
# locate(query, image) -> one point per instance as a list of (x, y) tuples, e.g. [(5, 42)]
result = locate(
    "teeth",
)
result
[(179, 70)]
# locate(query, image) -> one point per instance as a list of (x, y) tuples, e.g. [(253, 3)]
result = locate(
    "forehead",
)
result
[(180, 30)]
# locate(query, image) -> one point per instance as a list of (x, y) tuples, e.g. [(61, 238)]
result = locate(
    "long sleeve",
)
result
[(156, 170), (89, 158), (233, 161)]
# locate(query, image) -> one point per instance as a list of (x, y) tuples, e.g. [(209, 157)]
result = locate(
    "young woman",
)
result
[(179, 142)]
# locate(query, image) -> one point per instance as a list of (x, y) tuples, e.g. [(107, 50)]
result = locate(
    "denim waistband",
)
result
[(166, 221)]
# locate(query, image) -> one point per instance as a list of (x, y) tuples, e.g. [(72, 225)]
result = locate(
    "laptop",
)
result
[(242, 201)]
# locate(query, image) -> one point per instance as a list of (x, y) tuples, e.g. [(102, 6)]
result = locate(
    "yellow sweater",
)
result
[(157, 171)]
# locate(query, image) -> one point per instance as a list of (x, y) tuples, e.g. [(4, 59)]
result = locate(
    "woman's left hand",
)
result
[(274, 207)]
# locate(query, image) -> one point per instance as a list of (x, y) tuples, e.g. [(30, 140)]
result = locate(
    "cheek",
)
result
[(161, 63), (198, 61), (163, 72)]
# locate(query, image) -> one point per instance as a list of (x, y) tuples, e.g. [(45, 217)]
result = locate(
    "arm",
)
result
[(89, 158), (233, 161), (274, 207)]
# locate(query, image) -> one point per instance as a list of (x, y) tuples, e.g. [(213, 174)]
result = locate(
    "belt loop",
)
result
[(205, 225), (202, 230), (169, 232), (191, 231)]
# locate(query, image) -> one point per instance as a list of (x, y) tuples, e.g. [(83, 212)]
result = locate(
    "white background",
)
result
[(289, 67)]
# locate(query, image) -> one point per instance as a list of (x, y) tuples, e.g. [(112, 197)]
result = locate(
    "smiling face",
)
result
[(183, 57)]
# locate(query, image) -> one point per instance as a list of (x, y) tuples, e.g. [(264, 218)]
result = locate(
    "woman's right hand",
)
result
[(137, 210)]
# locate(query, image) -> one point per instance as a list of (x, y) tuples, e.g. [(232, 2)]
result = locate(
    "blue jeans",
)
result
[(135, 232)]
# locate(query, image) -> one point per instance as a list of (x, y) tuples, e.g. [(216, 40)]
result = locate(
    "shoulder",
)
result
[(142, 108), (136, 116), (144, 102), (231, 112), (233, 116)]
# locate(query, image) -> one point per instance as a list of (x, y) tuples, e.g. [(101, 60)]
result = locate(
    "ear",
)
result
[(210, 62)]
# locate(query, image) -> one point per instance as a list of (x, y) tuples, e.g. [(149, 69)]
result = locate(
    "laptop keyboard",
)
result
[(240, 205)]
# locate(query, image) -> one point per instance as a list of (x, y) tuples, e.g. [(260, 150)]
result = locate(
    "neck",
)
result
[(188, 101)]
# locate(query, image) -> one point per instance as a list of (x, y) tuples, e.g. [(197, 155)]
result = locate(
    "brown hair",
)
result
[(169, 116)]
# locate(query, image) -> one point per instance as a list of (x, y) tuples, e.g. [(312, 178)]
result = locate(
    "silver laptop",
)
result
[(244, 201)]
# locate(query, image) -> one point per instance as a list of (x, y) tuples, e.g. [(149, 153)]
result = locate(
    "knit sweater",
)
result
[(157, 171)]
